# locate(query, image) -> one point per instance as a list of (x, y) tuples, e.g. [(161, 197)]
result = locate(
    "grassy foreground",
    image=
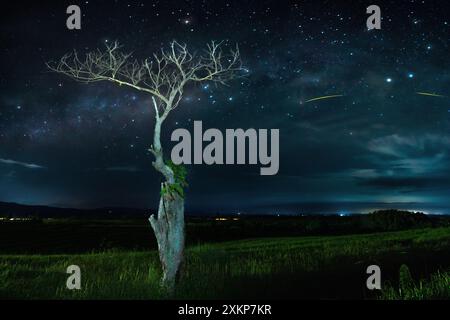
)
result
[(303, 267)]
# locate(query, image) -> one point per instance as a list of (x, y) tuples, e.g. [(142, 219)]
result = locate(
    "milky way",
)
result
[(382, 141)]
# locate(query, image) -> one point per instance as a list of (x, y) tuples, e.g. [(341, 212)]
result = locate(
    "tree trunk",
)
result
[(169, 224), (169, 231)]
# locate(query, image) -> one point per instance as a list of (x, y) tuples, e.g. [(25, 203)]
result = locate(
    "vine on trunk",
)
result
[(180, 174)]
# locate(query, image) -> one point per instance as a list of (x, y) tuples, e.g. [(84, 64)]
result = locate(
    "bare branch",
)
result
[(163, 76)]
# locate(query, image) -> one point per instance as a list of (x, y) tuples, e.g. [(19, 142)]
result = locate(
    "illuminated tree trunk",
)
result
[(169, 232), (169, 224)]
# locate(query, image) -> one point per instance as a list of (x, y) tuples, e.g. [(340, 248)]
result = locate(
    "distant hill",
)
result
[(384, 219), (8, 209)]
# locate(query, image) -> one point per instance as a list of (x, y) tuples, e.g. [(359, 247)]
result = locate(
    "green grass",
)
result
[(435, 288), (303, 267)]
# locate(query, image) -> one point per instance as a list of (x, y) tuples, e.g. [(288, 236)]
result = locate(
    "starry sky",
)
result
[(384, 142)]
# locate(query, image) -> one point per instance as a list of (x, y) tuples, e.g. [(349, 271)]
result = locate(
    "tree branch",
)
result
[(164, 77)]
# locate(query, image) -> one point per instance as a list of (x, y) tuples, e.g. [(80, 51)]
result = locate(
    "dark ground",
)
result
[(52, 236)]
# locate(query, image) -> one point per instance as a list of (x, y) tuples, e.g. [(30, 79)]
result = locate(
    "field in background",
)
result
[(23, 235), (415, 264)]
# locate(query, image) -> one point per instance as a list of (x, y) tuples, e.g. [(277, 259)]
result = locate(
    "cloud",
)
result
[(405, 163), (407, 146), (364, 173), (410, 155), (22, 164), (407, 184), (394, 182)]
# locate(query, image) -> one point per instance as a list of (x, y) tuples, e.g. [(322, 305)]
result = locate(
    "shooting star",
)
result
[(324, 97), (427, 94)]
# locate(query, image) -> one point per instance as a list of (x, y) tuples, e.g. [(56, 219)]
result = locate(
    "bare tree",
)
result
[(164, 77)]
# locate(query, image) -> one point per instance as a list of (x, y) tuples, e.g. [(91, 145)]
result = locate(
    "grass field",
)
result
[(415, 265)]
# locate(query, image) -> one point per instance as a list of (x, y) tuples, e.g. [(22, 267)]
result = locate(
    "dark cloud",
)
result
[(21, 164), (406, 183)]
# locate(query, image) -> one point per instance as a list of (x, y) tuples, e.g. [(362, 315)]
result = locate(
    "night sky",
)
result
[(379, 145)]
